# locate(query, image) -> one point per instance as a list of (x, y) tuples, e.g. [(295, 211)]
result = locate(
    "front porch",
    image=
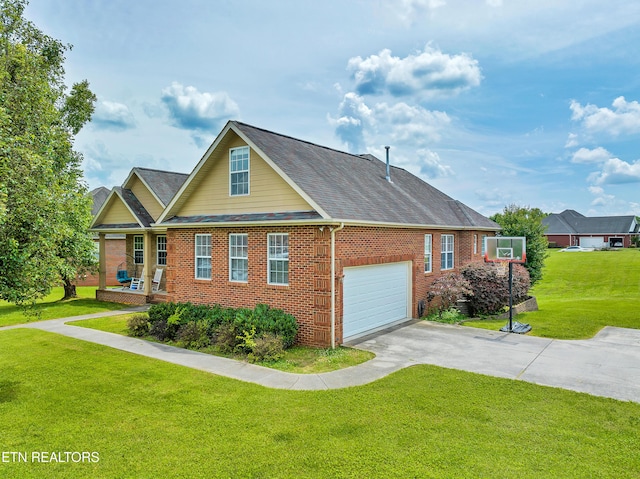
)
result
[(130, 296)]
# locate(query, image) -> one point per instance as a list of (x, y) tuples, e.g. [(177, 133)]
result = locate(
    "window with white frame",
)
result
[(475, 244), (428, 247), (446, 252), (484, 244), (238, 257), (239, 171), (161, 243), (138, 249), (278, 258), (203, 256)]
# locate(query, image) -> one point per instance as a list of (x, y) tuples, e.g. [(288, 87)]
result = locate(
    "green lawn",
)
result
[(580, 293), (51, 307), (147, 418)]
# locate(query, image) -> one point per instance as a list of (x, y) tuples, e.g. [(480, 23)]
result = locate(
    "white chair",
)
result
[(155, 284), (137, 283)]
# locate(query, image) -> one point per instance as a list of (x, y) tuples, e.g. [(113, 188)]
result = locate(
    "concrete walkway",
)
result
[(607, 365)]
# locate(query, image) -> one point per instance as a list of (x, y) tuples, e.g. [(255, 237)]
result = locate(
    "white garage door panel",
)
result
[(592, 242), (375, 296)]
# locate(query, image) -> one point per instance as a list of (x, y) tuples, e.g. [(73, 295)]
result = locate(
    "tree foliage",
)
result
[(524, 221), (45, 210)]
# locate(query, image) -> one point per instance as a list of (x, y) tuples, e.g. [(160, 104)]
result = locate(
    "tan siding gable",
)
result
[(138, 188), (116, 213), (268, 191)]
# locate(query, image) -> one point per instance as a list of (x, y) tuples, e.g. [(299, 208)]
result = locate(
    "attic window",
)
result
[(239, 171)]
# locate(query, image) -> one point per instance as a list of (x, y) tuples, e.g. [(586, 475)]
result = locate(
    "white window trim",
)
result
[(231, 258), (269, 259), (428, 253), (484, 245), (248, 170), (196, 256), (475, 244), (138, 249), (443, 252), (158, 250)]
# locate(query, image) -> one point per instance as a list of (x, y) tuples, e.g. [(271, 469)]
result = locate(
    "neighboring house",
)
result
[(570, 228), (320, 233), (128, 211)]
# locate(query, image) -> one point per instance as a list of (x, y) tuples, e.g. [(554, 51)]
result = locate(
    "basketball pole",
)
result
[(510, 296)]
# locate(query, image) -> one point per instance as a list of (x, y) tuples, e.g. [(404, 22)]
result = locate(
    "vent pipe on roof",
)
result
[(388, 173)]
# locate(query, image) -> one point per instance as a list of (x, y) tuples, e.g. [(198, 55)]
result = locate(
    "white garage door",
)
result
[(375, 296), (592, 242)]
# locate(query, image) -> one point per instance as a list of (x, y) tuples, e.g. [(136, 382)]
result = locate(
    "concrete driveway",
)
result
[(606, 365)]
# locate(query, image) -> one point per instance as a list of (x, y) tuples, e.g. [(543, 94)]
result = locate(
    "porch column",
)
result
[(148, 263), (102, 261)]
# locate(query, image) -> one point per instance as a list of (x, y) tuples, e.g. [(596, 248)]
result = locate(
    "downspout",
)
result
[(333, 284)]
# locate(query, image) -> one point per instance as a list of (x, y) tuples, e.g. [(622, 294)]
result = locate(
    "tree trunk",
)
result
[(69, 290)]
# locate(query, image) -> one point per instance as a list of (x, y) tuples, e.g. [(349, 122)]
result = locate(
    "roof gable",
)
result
[(339, 186), (120, 210)]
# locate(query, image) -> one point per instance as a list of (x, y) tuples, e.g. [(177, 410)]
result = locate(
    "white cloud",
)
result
[(191, 109), (113, 116), (409, 10), (623, 118), (431, 166), (427, 73), (616, 171), (585, 155), (572, 141), (361, 126)]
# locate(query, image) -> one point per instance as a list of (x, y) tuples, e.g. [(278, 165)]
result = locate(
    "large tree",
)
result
[(524, 221), (44, 206)]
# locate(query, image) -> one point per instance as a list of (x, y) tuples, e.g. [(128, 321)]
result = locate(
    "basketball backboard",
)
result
[(509, 249)]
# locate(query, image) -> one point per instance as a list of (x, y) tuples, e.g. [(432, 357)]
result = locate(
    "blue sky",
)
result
[(493, 102)]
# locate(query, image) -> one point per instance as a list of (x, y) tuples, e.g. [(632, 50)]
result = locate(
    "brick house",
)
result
[(126, 215), (571, 228), (343, 242)]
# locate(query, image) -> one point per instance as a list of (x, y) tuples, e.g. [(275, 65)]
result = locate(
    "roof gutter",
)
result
[(333, 284)]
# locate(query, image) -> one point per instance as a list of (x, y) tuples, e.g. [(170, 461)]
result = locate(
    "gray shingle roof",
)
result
[(99, 196), (165, 184), (572, 222), (353, 187), (138, 210)]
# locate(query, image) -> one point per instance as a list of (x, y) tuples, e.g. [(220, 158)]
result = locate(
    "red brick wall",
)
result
[(308, 247), (116, 254), (308, 295)]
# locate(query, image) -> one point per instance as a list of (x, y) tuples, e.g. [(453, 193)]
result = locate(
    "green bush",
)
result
[(449, 316), (161, 312), (171, 317), (267, 347), (160, 331), (226, 337), (193, 335), (138, 325)]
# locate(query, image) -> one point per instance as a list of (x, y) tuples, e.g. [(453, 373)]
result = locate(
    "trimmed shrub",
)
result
[(276, 321), (138, 325), (193, 335), (159, 330), (491, 289), (161, 311), (446, 291), (226, 338), (267, 347)]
